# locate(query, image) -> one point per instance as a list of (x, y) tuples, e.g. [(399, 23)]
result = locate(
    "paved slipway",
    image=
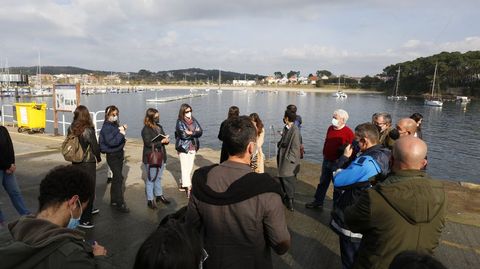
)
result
[(314, 245)]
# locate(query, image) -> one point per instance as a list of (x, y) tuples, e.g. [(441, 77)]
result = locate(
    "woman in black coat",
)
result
[(150, 135)]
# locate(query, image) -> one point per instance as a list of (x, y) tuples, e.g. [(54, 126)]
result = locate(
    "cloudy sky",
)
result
[(354, 37)]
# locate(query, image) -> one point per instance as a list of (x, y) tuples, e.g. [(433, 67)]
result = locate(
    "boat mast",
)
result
[(434, 77), (398, 81), (219, 78)]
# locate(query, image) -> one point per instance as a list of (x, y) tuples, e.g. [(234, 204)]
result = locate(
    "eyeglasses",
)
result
[(186, 111), (380, 123)]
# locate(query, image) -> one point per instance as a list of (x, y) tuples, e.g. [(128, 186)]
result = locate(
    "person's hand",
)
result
[(165, 140), (98, 250), (12, 169), (122, 131), (125, 127), (188, 132), (348, 151)]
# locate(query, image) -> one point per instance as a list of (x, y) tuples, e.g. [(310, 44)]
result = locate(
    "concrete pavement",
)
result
[(314, 245)]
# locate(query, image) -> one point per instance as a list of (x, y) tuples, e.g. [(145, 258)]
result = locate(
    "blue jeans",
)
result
[(154, 185), (11, 187), (325, 178)]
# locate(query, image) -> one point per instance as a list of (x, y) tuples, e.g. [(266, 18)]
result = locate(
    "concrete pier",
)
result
[(314, 244)]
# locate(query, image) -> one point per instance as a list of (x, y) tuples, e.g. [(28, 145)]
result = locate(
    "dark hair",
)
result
[(172, 246), (109, 110), (233, 111), (239, 131), (292, 108), (150, 118), (181, 112), (368, 130), (255, 118), (416, 117), (81, 120), (415, 260), (290, 115), (62, 183)]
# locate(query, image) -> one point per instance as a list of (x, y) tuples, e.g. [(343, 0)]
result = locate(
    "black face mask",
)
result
[(156, 120), (355, 146)]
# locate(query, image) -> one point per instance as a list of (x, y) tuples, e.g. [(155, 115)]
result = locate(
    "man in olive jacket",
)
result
[(404, 212)]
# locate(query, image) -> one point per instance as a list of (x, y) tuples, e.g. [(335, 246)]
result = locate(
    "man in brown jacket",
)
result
[(239, 212), (404, 212)]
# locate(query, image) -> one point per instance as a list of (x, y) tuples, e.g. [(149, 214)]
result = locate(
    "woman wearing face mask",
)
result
[(153, 184), (82, 127), (187, 132), (112, 141)]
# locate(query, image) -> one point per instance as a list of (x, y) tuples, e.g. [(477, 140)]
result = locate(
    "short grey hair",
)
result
[(342, 114), (386, 116)]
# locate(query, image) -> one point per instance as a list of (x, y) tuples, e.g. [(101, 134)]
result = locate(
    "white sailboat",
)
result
[(219, 91), (433, 100), (339, 93), (395, 96)]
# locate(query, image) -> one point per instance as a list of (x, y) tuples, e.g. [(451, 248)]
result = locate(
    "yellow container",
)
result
[(31, 117)]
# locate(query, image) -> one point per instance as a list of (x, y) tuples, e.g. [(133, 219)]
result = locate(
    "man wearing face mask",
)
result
[(383, 121), (373, 164), (49, 239), (338, 136)]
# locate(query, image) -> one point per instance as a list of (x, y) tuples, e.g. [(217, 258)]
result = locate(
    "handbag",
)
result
[(154, 160)]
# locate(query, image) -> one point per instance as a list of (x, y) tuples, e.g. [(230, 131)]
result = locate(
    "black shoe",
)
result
[(289, 204), (314, 205), (162, 199), (109, 180), (86, 225), (95, 211), (122, 208), (151, 205)]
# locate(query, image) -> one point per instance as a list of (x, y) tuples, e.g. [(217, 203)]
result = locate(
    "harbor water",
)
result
[(452, 132)]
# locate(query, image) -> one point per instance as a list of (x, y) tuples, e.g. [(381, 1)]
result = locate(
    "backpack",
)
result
[(72, 150)]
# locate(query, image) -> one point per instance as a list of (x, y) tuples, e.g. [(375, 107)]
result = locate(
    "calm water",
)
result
[(452, 132)]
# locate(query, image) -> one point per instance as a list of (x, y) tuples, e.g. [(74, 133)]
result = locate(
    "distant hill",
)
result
[(189, 75), (55, 70)]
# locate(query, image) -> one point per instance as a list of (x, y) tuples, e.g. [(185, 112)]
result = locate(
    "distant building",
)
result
[(313, 79), (243, 82), (13, 79), (112, 79)]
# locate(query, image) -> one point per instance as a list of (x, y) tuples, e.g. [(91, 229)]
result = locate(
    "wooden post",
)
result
[(77, 87), (55, 113)]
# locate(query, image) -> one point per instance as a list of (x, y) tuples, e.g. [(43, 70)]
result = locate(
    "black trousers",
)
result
[(115, 162), (91, 169)]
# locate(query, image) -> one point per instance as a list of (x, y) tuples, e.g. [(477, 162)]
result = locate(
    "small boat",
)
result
[(219, 91), (395, 96), (207, 90), (433, 100), (463, 99), (340, 94), (301, 93)]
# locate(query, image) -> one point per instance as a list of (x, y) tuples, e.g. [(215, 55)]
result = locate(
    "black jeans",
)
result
[(91, 169), (115, 162), (348, 251), (288, 186)]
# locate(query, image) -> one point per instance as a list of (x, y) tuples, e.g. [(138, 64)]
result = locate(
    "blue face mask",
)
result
[(73, 223)]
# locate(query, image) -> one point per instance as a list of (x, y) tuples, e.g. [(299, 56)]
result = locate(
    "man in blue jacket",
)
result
[(372, 165)]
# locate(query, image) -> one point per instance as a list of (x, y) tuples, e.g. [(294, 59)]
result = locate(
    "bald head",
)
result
[(406, 126), (409, 152)]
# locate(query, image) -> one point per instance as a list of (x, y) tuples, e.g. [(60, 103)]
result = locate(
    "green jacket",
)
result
[(405, 212), (31, 243)]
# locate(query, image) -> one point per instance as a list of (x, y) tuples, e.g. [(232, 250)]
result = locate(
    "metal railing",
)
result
[(63, 122)]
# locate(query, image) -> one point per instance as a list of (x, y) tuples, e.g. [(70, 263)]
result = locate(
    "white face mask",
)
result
[(188, 115), (113, 118), (335, 122)]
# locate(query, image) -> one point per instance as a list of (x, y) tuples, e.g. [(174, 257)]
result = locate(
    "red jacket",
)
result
[(334, 140)]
